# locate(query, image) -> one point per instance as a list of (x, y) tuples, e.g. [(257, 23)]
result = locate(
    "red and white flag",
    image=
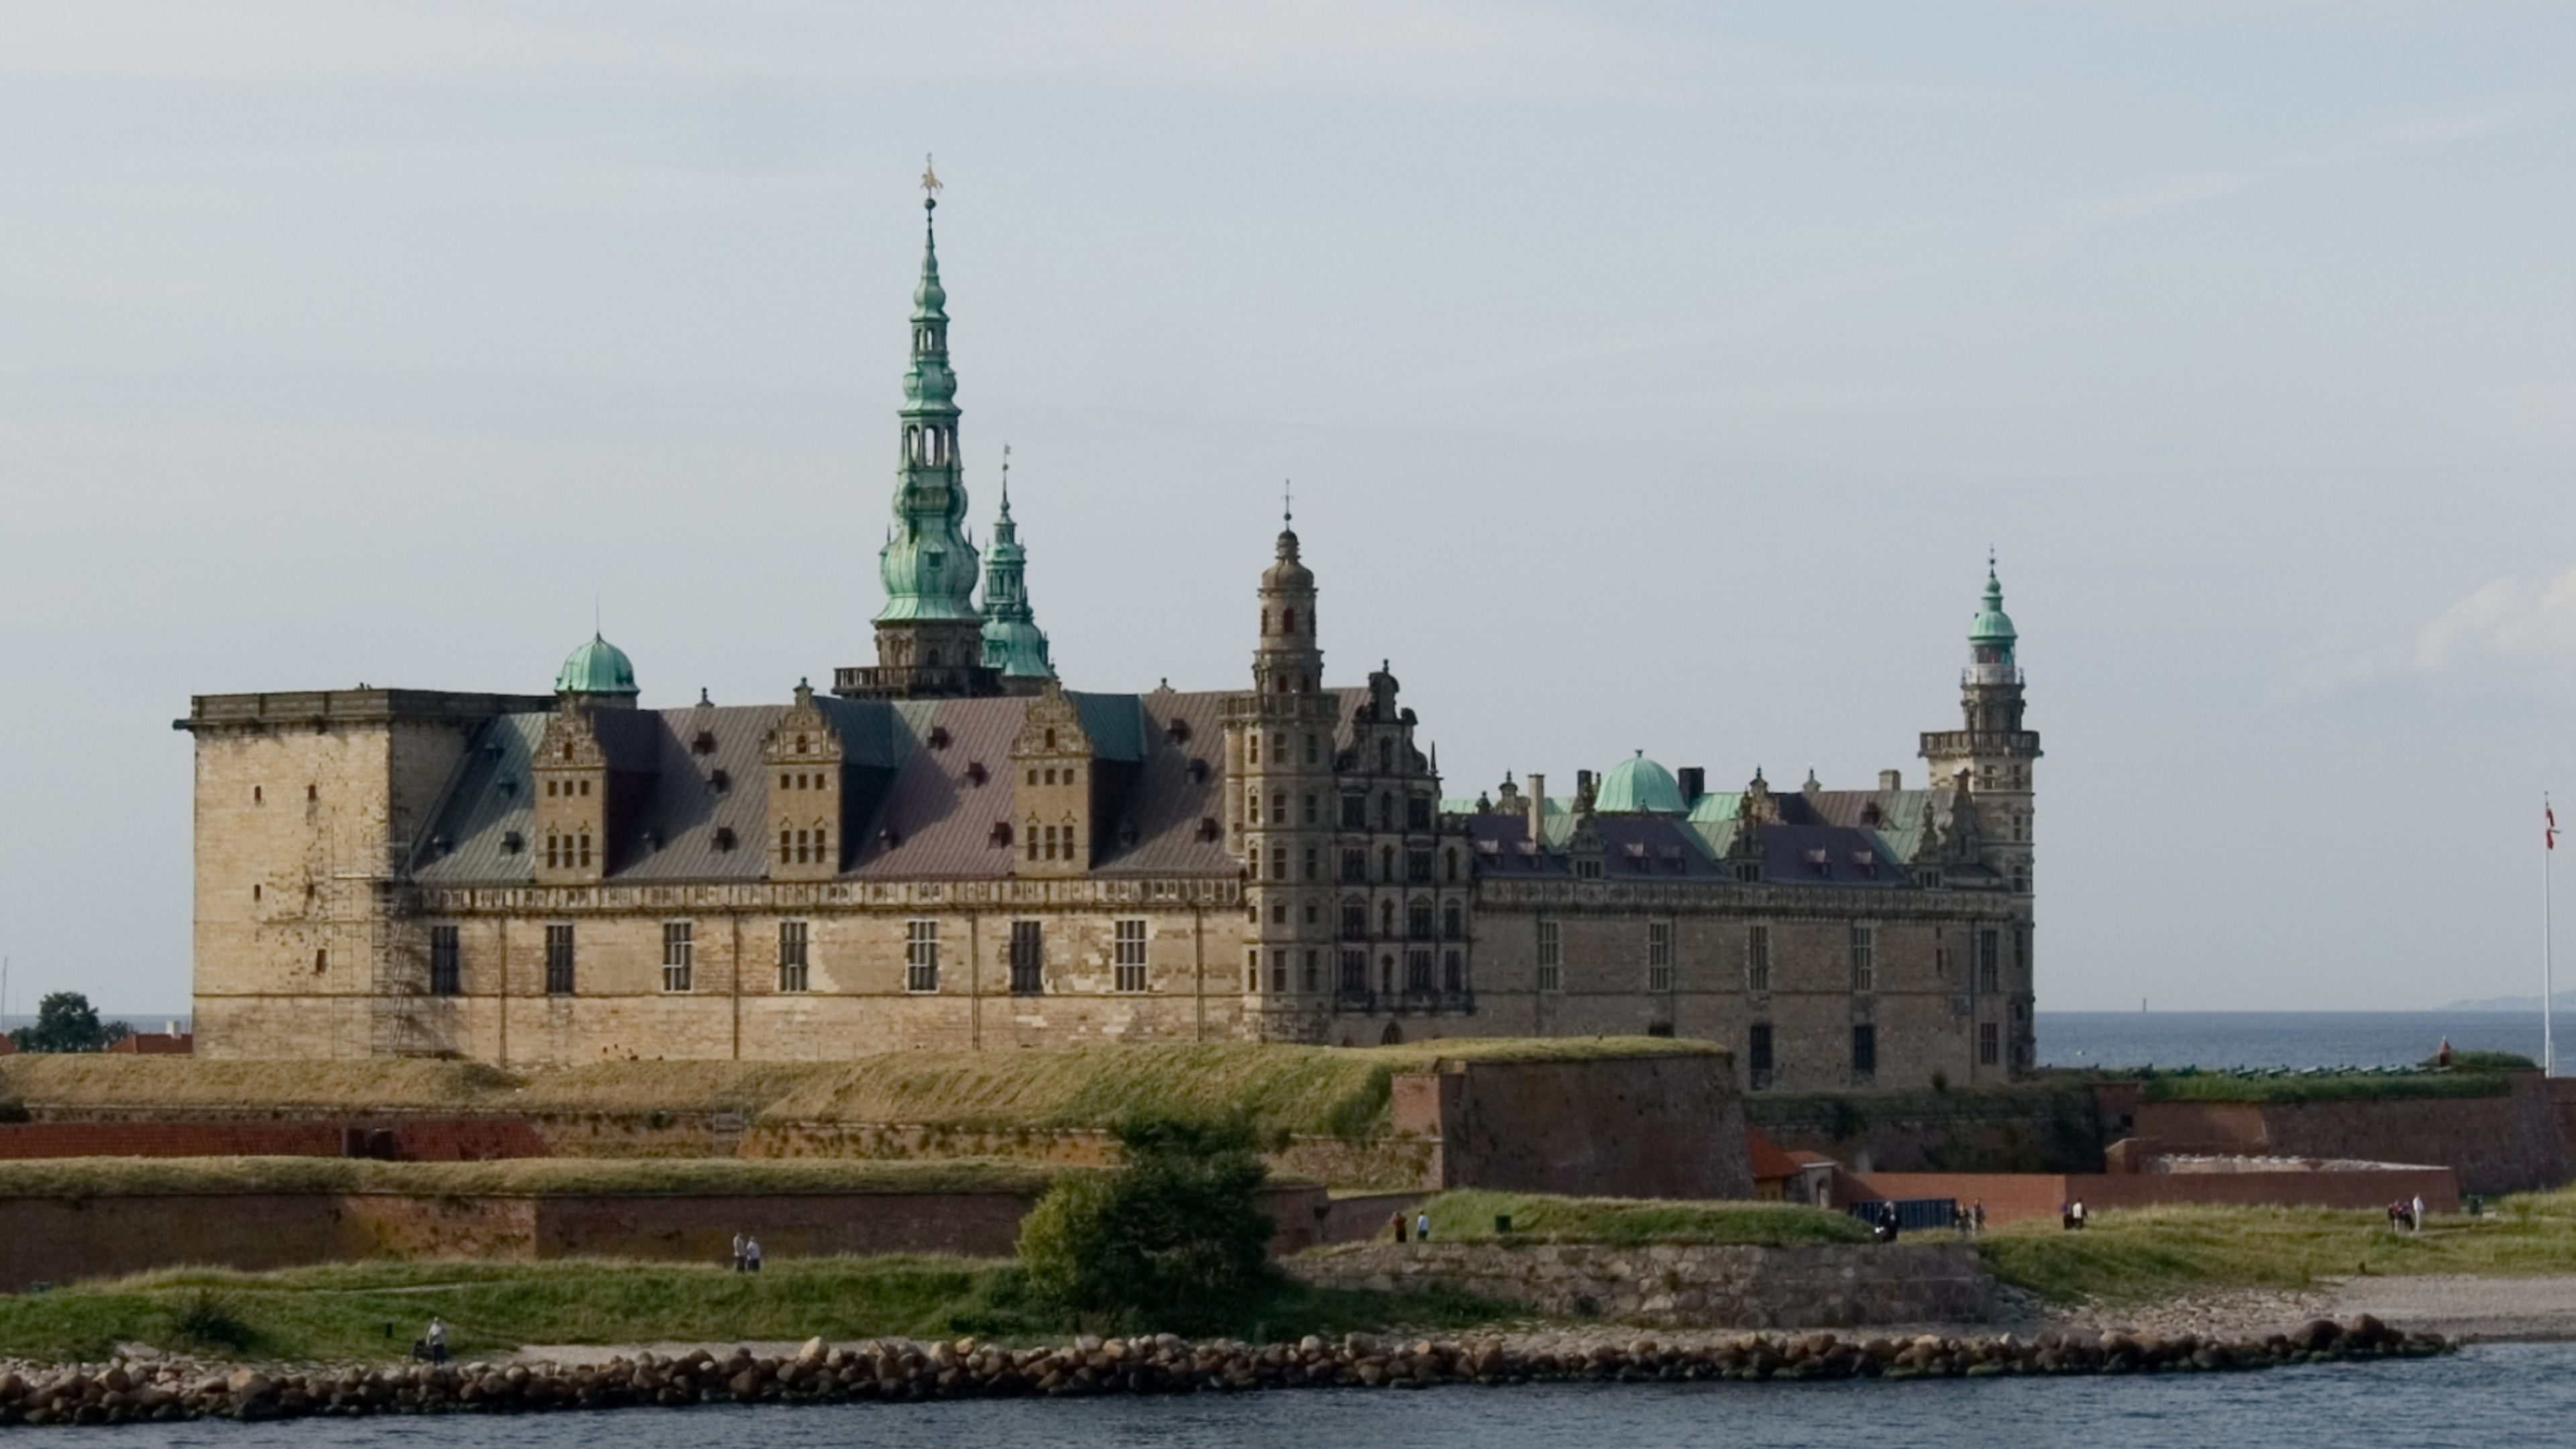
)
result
[(2548, 831)]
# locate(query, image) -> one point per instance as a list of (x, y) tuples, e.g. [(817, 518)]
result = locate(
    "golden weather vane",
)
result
[(930, 183)]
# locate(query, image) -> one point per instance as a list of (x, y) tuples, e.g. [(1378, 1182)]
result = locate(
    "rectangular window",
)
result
[(679, 955), (446, 972), (1354, 812), (1355, 865), (1864, 954), (1354, 973), (1864, 1049), (1417, 866), (1989, 1049), (1028, 959), (1314, 967), (792, 974), (1757, 1055), (1131, 956), (1757, 960), (1279, 971), (559, 959), (1453, 973), (1314, 864), (1417, 971), (921, 956), (1551, 964), (1659, 955), (1989, 949), (1417, 813)]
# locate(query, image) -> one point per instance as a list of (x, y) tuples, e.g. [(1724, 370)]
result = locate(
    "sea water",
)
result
[(2215, 1039), (2484, 1397)]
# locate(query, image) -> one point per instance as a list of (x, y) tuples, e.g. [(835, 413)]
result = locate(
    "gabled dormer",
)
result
[(1054, 784), (807, 785), (570, 777)]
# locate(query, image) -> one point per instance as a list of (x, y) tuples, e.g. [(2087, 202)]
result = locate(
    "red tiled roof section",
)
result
[(1767, 1160)]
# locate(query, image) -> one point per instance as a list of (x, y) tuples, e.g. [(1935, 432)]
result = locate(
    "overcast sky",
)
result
[(1653, 376)]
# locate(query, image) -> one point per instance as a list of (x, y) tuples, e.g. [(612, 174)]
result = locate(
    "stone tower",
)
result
[(1280, 797), (570, 772), (1993, 756), (1015, 648), (930, 637)]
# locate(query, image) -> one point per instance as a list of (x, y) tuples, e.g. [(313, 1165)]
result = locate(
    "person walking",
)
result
[(1977, 1216), (1396, 1220), (2079, 1215), (737, 1252), (751, 1255), (1422, 1227), (436, 1339)]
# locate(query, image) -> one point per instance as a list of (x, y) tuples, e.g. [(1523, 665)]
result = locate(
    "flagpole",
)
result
[(2548, 848)]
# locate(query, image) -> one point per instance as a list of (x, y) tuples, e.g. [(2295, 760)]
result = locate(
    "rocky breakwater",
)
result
[(166, 1390)]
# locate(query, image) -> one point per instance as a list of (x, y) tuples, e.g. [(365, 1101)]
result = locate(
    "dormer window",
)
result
[(800, 744), (704, 742)]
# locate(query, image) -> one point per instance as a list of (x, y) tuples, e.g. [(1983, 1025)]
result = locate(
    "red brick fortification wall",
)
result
[(1668, 1127), (2013, 1196), (2515, 1142), (58, 1240), (464, 1139)]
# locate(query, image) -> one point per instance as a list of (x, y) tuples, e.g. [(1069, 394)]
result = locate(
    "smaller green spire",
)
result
[(1992, 626), (1013, 643)]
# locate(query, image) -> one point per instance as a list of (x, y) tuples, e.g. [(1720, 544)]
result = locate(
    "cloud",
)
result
[(2507, 627)]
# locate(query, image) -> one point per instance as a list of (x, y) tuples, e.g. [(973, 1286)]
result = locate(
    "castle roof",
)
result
[(597, 667)]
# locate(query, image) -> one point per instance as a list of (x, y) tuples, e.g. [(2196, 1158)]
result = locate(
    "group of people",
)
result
[(1969, 1220), (746, 1254), (2070, 1215), (2406, 1217), (1421, 1226)]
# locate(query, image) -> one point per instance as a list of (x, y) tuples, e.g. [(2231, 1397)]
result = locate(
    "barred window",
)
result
[(1355, 865), (446, 976), (1417, 920), (1354, 920), (1757, 960), (1354, 973), (792, 975), (1659, 955), (921, 956), (1417, 866), (678, 955), (1989, 949), (1864, 958), (559, 959), (1130, 945), (1417, 971), (1028, 958), (1551, 969), (1989, 1051)]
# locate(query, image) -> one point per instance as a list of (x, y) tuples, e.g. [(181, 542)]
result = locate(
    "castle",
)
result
[(951, 849)]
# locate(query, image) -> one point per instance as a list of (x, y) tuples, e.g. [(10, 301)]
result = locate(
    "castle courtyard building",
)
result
[(951, 848)]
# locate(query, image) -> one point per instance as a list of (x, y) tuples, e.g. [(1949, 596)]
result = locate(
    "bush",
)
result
[(1173, 1240), (210, 1319)]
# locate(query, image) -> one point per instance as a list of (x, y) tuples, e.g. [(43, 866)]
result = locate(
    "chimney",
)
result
[(1582, 784), (1694, 782), (1891, 781), (1538, 809)]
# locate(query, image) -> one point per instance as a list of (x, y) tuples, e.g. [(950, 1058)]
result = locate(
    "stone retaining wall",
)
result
[(1685, 1286)]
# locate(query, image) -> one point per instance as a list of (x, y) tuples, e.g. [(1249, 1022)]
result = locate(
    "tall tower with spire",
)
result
[(930, 636), (1015, 648), (1993, 755), (1282, 800)]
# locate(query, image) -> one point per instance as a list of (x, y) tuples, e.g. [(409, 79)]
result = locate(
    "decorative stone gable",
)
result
[(570, 777), (806, 784), (1052, 780)]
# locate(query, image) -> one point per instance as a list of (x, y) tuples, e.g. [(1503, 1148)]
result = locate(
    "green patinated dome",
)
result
[(597, 667), (1638, 787), (1992, 625)]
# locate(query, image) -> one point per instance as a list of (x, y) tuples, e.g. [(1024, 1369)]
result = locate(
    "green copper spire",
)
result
[(1013, 643), (597, 668), (927, 564), (1991, 636)]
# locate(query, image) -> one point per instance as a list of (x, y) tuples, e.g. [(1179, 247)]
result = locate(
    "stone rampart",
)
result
[(1682, 1285), (2015, 1196), (2045, 1126), (2514, 1141), (1668, 1127)]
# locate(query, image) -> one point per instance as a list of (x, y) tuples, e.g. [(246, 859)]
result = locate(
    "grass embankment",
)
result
[(1307, 1090), (373, 1311), (2306, 1086), (2152, 1254), (1629, 1222), (78, 1177)]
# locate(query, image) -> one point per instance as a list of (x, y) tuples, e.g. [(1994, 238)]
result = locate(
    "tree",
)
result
[(66, 1022), (1175, 1239)]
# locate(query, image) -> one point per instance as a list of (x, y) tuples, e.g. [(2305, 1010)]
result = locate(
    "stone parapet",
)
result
[(1684, 1285)]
